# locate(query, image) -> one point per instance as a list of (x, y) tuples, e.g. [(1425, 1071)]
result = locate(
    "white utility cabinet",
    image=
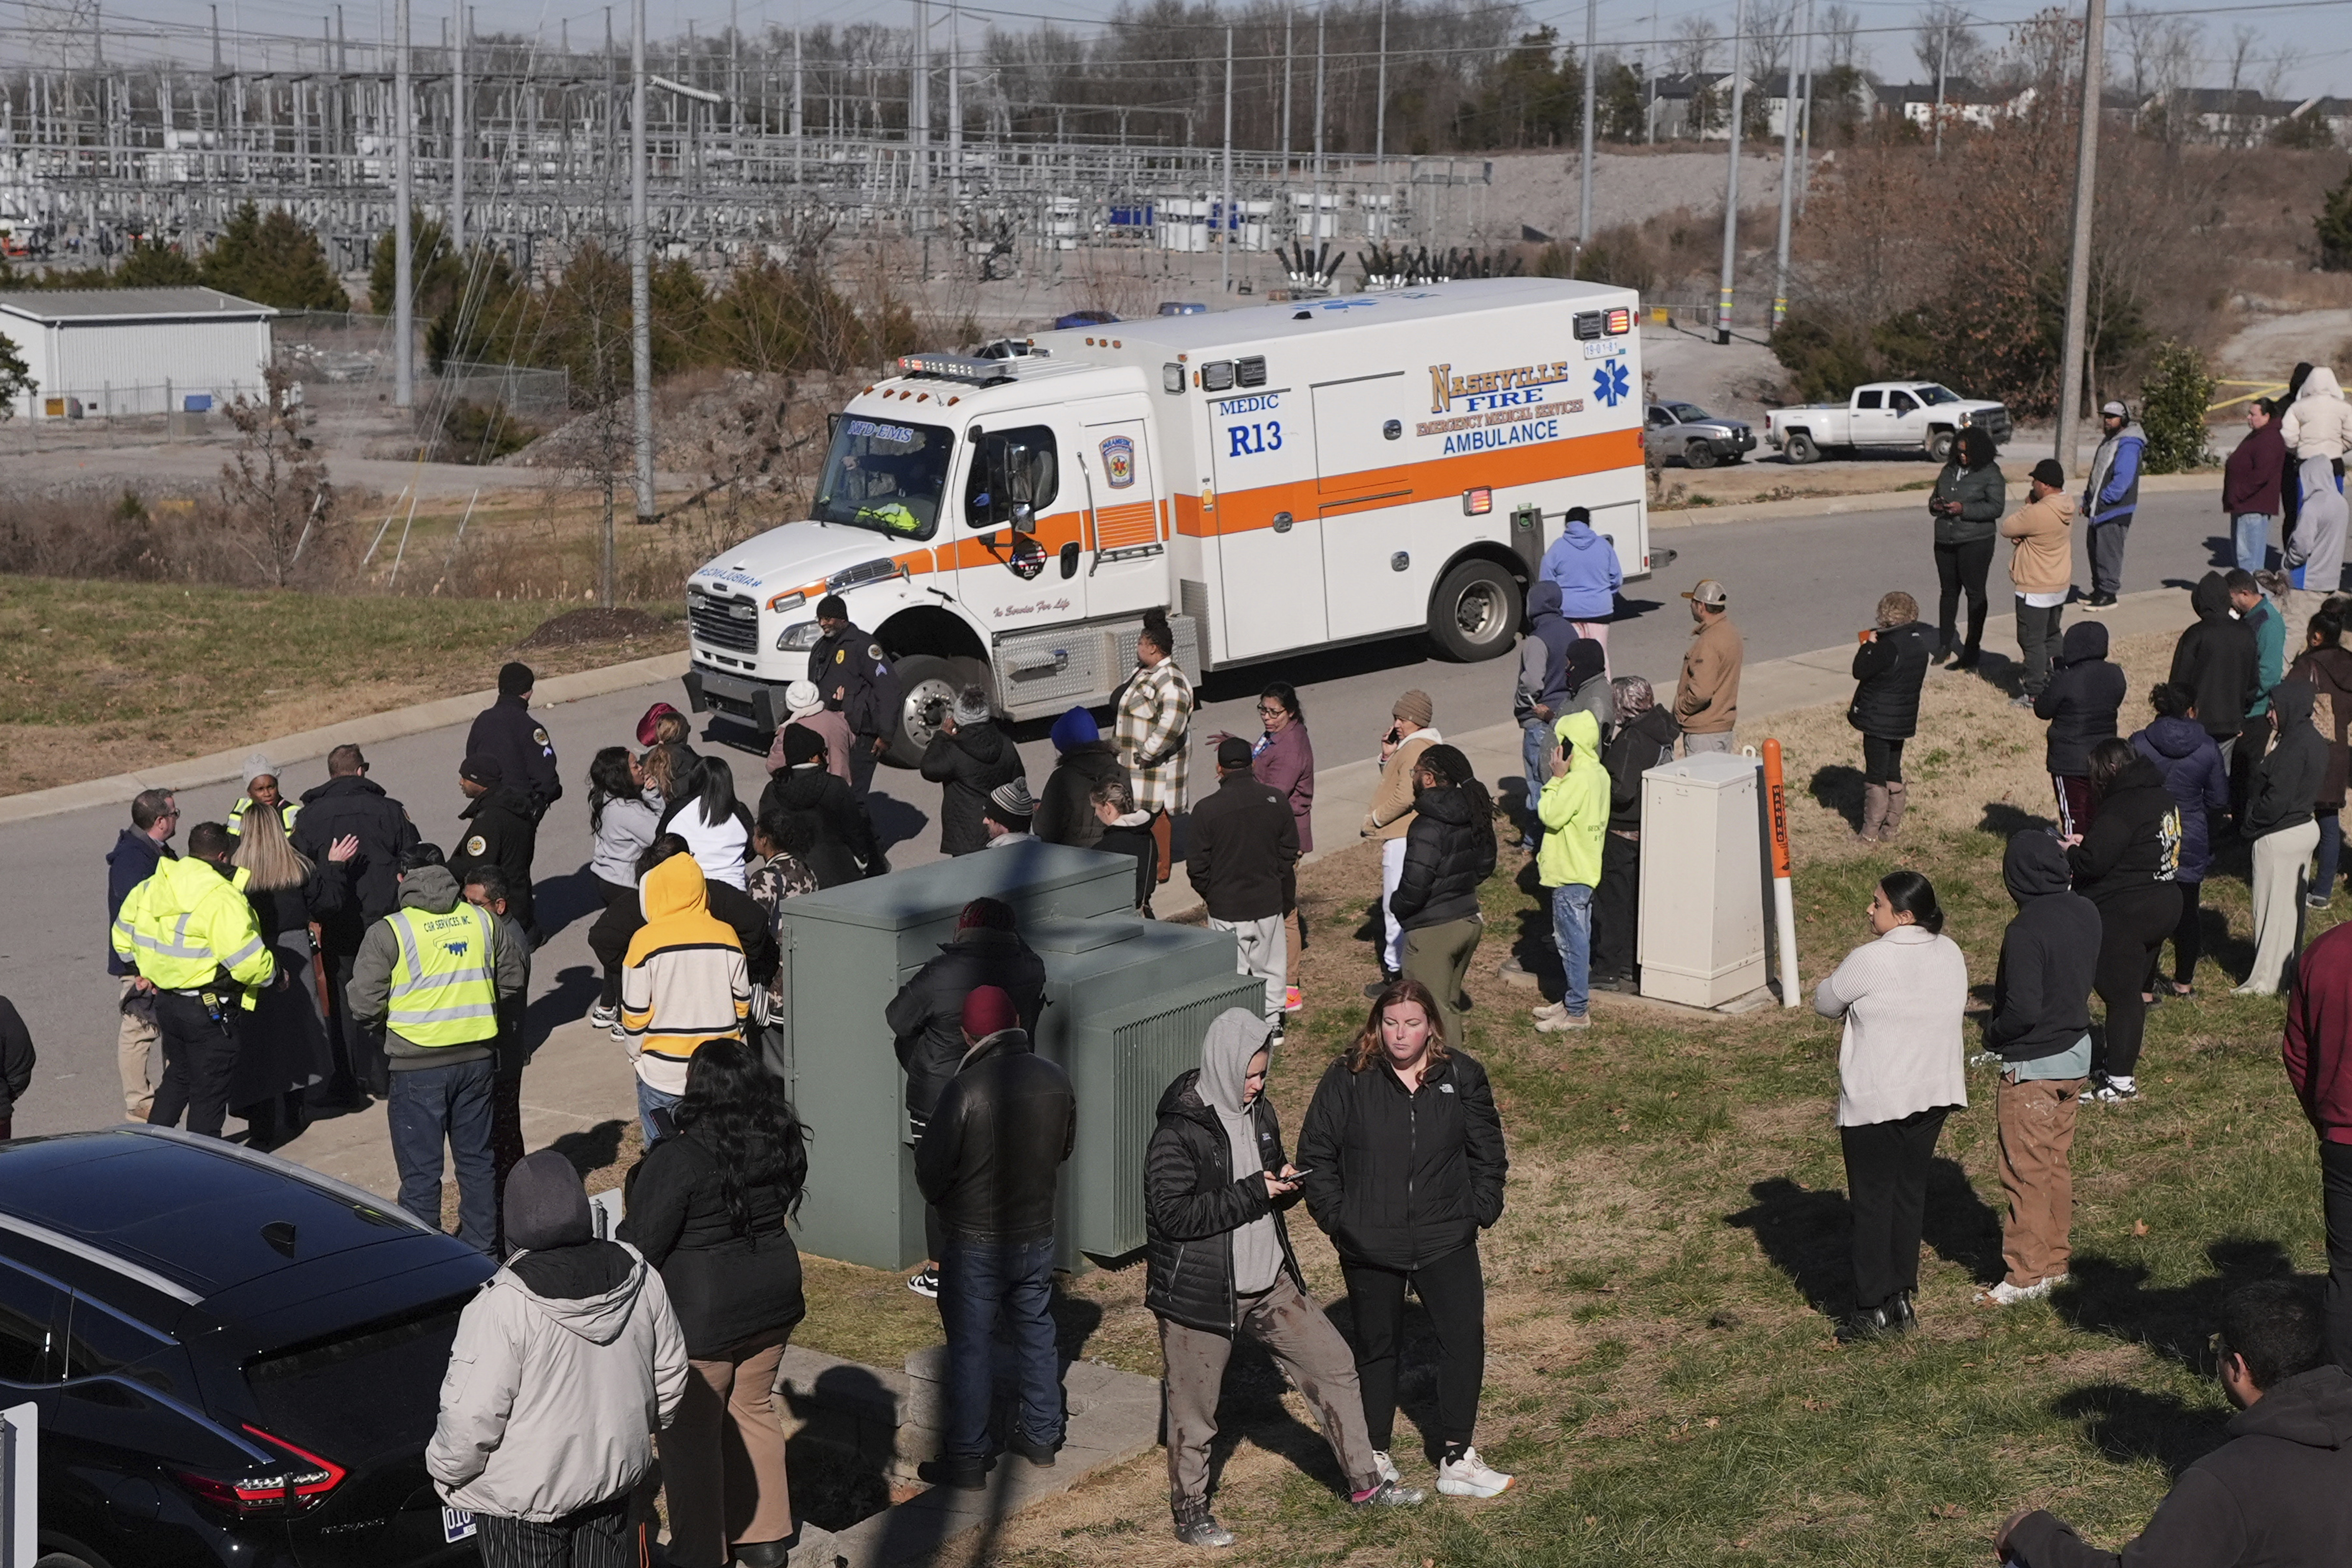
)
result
[(1702, 926)]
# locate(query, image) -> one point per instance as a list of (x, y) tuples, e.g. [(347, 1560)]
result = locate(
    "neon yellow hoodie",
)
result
[(1574, 808)]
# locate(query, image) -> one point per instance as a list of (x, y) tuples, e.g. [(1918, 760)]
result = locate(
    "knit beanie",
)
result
[(256, 766), (1076, 728), (802, 745), (985, 1012), (546, 1203), (516, 679), (971, 706), (1011, 799), (1414, 710)]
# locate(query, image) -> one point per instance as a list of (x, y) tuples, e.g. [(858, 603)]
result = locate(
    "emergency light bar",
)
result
[(957, 367)]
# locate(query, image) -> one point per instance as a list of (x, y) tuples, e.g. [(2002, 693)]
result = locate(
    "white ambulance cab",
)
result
[(1277, 479)]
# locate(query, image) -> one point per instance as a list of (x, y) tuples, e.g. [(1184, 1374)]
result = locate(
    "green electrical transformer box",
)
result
[(1127, 1002)]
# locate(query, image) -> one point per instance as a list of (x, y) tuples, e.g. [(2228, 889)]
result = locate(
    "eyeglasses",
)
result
[(1272, 708)]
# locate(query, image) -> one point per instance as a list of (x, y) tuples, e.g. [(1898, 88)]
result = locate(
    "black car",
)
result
[(236, 1360)]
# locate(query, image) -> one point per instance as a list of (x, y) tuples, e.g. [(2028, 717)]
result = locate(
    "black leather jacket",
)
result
[(990, 1159), (1193, 1204)]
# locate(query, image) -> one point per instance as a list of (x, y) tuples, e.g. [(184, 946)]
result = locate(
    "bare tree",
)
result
[(274, 491), (1772, 24), (1693, 49), (1944, 40), (1841, 28), (2159, 50)]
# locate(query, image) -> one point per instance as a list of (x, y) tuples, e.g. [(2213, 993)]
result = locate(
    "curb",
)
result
[(222, 766), (1875, 500)]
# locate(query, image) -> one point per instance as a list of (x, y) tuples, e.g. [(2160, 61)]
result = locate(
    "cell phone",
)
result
[(1567, 749), (1396, 733), (1295, 1175)]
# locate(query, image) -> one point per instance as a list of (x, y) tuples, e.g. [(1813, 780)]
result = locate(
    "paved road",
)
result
[(1798, 585)]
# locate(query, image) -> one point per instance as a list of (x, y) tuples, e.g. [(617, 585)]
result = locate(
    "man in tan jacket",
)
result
[(1413, 731), (2041, 565), (1707, 700)]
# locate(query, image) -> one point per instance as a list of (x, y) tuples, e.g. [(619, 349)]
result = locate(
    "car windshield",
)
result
[(1689, 413), (1931, 395), (884, 475)]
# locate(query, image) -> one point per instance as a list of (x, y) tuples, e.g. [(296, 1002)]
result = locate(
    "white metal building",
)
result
[(103, 352)]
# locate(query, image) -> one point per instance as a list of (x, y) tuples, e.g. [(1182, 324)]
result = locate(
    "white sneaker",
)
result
[(1388, 1466), (2008, 1295), (1549, 1010), (602, 1017), (1469, 1477), (1553, 1023)]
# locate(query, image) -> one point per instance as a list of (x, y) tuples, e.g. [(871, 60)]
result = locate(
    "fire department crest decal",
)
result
[(1119, 462)]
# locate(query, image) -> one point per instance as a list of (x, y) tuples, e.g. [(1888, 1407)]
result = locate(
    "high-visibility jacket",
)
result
[(186, 924), (287, 811), (445, 982)]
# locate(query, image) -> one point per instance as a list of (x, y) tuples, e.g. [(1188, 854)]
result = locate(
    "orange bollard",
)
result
[(1784, 902)]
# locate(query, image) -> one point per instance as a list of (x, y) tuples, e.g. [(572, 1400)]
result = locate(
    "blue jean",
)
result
[(1571, 928), (1537, 748), (977, 1278), (650, 1099), (2252, 532), (428, 1106)]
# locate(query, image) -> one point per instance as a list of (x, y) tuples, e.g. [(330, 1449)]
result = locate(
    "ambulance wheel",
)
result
[(927, 686), (1475, 615)]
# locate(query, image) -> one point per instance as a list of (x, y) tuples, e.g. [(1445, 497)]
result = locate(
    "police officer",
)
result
[(191, 937), (506, 730), (431, 974), (350, 803), (850, 670), (502, 831)]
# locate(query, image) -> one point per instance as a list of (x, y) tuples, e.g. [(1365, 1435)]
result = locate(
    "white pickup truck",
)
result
[(1912, 415)]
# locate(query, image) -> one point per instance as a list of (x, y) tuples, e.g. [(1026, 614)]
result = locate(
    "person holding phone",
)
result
[(1404, 1166), (1889, 667), (1220, 1265), (1412, 730)]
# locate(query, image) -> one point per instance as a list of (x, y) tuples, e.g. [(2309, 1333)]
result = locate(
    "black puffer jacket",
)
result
[(1889, 669), (973, 761), (1193, 1204), (2081, 701), (1638, 746), (926, 1015), (990, 1159), (841, 836), (353, 805), (2134, 839), (1447, 853), (728, 1290), (1066, 810), (2216, 658), (1399, 1180)]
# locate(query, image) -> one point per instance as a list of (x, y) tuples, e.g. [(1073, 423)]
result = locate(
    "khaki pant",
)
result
[(1310, 1353), (134, 1046), (723, 1460), (1258, 951), (2037, 1136), (1439, 957), (1290, 947), (2280, 861)]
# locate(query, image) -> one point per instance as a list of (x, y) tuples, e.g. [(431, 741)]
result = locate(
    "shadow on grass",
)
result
[(1418, 1354), (1837, 787), (1808, 1233), (2003, 821), (2128, 1425), (2105, 1296)]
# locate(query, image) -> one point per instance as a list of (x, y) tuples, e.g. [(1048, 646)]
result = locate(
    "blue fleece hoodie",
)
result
[(1585, 566)]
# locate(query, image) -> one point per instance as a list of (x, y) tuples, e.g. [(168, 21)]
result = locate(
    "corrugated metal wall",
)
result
[(125, 367)]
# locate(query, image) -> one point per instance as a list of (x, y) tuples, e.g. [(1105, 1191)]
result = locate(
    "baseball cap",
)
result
[(2048, 471), (2114, 411), (1233, 754), (1709, 593)]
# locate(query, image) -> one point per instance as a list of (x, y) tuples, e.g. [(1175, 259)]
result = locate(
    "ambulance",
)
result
[(1278, 479)]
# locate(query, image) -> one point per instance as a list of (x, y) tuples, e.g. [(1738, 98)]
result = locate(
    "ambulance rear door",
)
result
[(1125, 547), (1374, 577), (1270, 533)]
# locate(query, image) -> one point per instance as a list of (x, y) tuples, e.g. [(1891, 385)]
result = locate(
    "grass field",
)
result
[(97, 678), (1661, 1369)]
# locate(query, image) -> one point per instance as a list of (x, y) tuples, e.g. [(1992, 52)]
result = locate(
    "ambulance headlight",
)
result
[(799, 637)]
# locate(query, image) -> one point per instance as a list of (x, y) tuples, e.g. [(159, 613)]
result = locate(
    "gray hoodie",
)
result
[(550, 1403), (1234, 1036)]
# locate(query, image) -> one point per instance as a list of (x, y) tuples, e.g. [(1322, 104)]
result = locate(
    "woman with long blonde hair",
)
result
[(283, 1051)]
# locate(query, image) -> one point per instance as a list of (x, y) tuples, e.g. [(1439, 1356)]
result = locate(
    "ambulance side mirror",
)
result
[(1024, 520), (1019, 489)]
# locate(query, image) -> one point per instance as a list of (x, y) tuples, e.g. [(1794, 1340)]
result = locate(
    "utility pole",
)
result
[(1731, 180), (404, 310), (1381, 103), (1584, 184), (459, 129), (1943, 50), (1789, 113), (1650, 83), (1285, 92), (1805, 129), (2078, 265), (1314, 224), (955, 99), (1225, 204), (641, 300), (919, 96)]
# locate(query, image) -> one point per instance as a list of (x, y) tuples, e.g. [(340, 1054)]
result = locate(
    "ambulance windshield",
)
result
[(885, 476)]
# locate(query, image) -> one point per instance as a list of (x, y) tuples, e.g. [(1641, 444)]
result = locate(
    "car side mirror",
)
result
[(1024, 520)]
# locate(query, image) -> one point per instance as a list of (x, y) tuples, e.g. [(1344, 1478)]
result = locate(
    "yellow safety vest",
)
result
[(286, 812), (443, 984)]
